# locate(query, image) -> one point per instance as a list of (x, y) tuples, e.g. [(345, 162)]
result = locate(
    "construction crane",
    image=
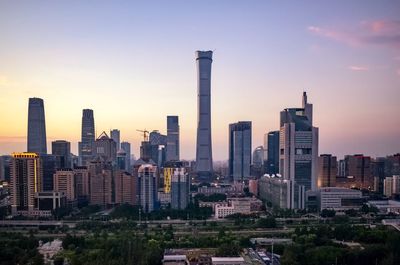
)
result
[(145, 134)]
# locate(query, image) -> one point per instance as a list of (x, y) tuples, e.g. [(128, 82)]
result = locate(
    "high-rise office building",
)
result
[(48, 163), (81, 184), (327, 171), (180, 187), (36, 127), (299, 151), (62, 151), (258, 156), (358, 171), (124, 188), (271, 146), (204, 161), (156, 138), (5, 173), (116, 136), (172, 138), (147, 187), (127, 148), (240, 150), (121, 160), (26, 176), (106, 148), (87, 137), (64, 181), (101, 182)]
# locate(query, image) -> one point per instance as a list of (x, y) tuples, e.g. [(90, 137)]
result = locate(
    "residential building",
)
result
[(124, 188), (64, 181), (100, 179), (82, 184)]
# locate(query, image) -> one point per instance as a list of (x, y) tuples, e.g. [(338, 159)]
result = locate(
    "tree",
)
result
[(328, 213), (268, 222)]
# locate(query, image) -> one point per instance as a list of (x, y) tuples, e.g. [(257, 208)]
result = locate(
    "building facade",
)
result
[(240, 150), (271, 147), (147, 187), (127, 148), (172, 138), (62, 151), (106, 148), (115, 134), (36, 127), (64, 181), (327, 171), (180, 189), (204, 161)]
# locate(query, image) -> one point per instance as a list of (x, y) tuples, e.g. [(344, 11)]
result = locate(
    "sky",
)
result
[(133, 63)]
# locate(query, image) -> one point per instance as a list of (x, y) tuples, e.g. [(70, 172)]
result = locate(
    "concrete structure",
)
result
[(62, 151), (26, 177), (81, 184), (227, 261), (64, 181), (204, 161), (175, 260), (100, 179), (124, 188), (127, 148), (388, 186), (172, 138), (85, 146), (357, 172), (237, 188), (115, 134), (339, 199), (244, 205), (327, 171), (147, 187), (280, 191), (271, 149), (239, 150), (299, 150), (180, 189), (106, 148), (36, 127), (156, 138), (48, 201), (386, 206)]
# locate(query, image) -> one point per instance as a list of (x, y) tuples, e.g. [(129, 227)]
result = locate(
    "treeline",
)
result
[(18, 249)]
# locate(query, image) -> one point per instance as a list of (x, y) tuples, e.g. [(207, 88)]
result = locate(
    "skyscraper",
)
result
[(62, 151), (271, 146), (299, 151), (87, 137), (106, 148), (116, 136), (36, 127), (172, 138), (327, 171), (240, 150), (64, 181), (127, 148), (26, 175), (147, 187), (180, 187), (204, 161)]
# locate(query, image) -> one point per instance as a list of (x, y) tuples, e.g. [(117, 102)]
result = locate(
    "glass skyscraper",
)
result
[(271, 147), (204, 161), (172, 138), (239, 150), (87, 137), (36, 127)]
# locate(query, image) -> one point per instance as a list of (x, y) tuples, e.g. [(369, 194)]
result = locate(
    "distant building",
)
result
[(388, 186), (116, 136), (26, 176), (258, 156), (36, 127), (81, 184), (100, 179), (204, 161), (172, 138), (62, 151), (64, 181), (124, 188), (147, 187), (253, 186), (127, 148), (327, 171), (156, 138), (279, 191), (240, 150), (87, 137), (357, 172), (48, 163), (121, 160), (48, 201), (339, 199), (106, 148), (299, 149), (227, 260), (244, 205), (271, 155), (378, 173), (5, 173), (180, 188)]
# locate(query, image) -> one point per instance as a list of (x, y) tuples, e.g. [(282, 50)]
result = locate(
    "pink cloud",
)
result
[(379, 32), (358, 68)]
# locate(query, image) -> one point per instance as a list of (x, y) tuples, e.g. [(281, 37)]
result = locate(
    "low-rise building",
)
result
[(339, 199), (244, 205), (386, 206), (227, 261)]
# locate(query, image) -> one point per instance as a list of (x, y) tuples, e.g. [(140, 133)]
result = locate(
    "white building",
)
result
[(227, 261), (339, 199), (388, 186), (235, 205)]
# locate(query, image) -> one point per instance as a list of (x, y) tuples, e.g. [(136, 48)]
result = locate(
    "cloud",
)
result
[(358, 68), (384, 33)]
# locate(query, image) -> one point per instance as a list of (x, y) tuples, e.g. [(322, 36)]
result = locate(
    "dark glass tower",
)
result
[(204, 162), (239, 150), (172, 138), (87, 140), (271, 145), (36, 127)]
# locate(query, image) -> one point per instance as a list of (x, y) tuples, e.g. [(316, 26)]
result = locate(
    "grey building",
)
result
[(240, 150), (204, 161), (271, 146), (87, 137), (49, 164), (157, 148), (299, 151), (180, 187), (127, 148), (121, 160), (156, 138), (5, 173), (147, 187), (116, 136), (36, 127), (172, 138), (106, 148), (62, 151)]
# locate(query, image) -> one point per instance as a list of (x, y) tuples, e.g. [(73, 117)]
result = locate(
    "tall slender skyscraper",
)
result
[(116, 136), (271, 146), (36, 127), (172, 138), (204, 162), (127, 148), (87, 140), (239, 150)]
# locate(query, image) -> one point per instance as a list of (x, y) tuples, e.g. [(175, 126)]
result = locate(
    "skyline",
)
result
[(348, 64)]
